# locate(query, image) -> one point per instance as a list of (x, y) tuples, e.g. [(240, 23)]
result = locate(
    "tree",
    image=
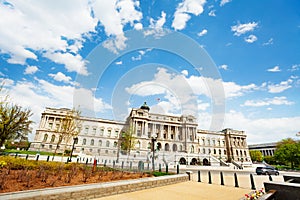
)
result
[(256, 155), (128, 140), (14, 120), (68, 129), (288, 152)]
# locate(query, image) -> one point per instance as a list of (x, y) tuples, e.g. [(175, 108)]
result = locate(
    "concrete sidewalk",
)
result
[(189, 190)]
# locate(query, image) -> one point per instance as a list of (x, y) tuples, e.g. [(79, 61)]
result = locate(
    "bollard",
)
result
[(16, 155), (94, 165), (148, 166), (130, 165), (48, 157), (87, 160), (167, 169), (105, 163), (37, 157), (122, 166), (114, 163), (236, 180), (252, 182), (77, 160), (209, 178), (177, 169), (27, 157), (199, 177), (222, 178), (159, 167), (270, 177)]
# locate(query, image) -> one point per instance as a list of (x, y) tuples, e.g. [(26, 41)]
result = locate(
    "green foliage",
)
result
[(160, 173), (256, 155), (270, 160), (7, 151), (128, 140), (14, 120), (288, 152), (14, 145)]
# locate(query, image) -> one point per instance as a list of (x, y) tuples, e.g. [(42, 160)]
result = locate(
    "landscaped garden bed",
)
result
[(17, 174)]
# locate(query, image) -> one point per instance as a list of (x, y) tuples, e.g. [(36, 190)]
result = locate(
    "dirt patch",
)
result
[(20, 180)]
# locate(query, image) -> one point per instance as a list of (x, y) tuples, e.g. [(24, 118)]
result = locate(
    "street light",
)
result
[(153, 139), (75, 140)]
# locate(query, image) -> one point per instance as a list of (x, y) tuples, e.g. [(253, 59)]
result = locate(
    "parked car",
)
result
[(267, 170)]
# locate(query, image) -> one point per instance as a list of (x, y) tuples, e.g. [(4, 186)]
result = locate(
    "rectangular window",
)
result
[(86, 130), (101, 132), (109, 133), (50, 125), (94, 131)]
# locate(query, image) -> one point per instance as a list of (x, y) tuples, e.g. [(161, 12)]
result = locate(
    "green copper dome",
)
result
[(145, 106)]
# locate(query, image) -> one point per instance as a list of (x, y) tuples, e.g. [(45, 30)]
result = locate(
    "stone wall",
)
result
[(98, 190)]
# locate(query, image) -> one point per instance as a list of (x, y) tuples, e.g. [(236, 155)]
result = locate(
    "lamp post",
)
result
[(75, 140), (153, 139)]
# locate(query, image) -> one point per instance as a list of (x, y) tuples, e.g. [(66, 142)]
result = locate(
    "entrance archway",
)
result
[(205, 162), (182, 161), (194, 161)]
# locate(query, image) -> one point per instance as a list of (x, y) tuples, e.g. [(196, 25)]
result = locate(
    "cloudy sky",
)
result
[(232, 64)]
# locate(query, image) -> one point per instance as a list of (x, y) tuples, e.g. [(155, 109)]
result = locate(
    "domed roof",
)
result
[(145, 106)]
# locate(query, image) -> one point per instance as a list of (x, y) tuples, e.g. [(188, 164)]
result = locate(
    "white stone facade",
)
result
[(177, 138)]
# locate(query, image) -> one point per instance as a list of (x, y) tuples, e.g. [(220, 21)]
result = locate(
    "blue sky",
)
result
[(232, 64)]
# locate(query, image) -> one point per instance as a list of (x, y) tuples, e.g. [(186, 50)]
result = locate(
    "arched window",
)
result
[(92, 142), (84, 141), (215, 152), (52, 138), (245, 153), (203, 151), (107, 143), (167, 147), (192, 149), (174, 147), (115, 144), (138, 145), (149, 145), (45, 137), (237, 152), (180, 148), (220, 152), (100, 143), (224, 152)]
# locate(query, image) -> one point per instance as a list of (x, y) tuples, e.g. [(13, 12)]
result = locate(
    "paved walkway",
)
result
[(189, 190)]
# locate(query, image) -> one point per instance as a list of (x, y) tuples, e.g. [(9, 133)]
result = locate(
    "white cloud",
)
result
[(140, 55), (73, 63), (241, 29), (185, 72), (268, 102), (119, 62), (225, 67), (45, 26), (60, 77), (295, 68), (183, 11), (262, 129), (250, 38), (212, 13), (223, 2), (274, 69), (203, 32), (114, 15), (282, 86), (270, 41), (31, 69), (156, 26)]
